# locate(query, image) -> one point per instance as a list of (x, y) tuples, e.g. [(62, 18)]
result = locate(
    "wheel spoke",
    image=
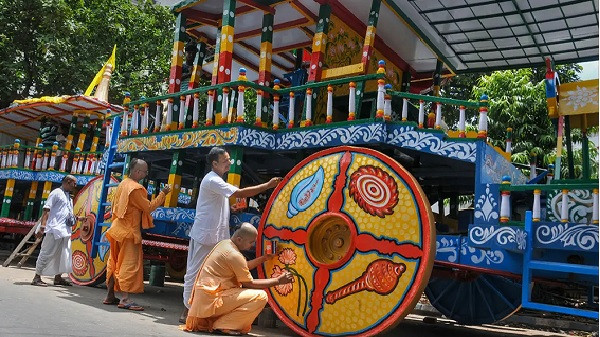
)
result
[(321, 280), (368, 243), (298, 236), (336, 200)]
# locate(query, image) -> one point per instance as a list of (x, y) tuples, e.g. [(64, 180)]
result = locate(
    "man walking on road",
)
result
[(130, 213), (56, 222), (211, 223)]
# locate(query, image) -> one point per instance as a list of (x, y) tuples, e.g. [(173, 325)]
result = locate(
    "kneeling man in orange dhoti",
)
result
[(130, 213), (225, 297)]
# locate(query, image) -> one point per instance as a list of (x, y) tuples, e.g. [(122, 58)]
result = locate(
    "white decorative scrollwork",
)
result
[(409, 138), (174, 214), (581, 236), (354, 134), (481, 255), (445, 246), (485, 207), (256, 138), (502, 235), (579, 206)]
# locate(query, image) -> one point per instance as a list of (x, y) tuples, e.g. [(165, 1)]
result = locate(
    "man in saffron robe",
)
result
[(225, 297), (211, 222), (130, 213)]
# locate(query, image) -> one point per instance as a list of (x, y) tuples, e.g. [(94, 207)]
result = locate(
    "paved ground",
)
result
[(26, 310)]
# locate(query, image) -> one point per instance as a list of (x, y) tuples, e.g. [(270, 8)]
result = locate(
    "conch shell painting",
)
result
[(306, 192)]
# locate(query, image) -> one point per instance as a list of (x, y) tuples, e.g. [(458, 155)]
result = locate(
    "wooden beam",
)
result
[(278, 27), (292, 46), (256, 5), (304, 11), (256, 51)]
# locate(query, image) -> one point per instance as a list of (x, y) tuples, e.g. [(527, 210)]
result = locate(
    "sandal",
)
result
[(114, 301), (131, 306), (39, 283), (63, 282)]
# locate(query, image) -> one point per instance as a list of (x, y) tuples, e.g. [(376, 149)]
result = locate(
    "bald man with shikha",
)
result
[(131, 212), (225, 297)]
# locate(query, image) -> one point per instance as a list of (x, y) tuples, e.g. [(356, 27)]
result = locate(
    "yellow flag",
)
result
[(98, 76)]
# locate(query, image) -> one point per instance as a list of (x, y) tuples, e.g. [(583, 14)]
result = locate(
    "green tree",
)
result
[(55, 47), (518, 100)]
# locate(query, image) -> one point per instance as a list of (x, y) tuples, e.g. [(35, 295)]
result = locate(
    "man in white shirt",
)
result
[(54, 258), (211, 224)]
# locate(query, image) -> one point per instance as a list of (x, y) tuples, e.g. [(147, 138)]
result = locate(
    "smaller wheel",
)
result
[(473, 298)]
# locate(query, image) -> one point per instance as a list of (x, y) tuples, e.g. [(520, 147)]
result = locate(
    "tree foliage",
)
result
[(55, 47), (517, 100)]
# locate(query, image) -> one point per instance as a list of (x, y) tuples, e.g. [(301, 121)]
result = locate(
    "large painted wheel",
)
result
[(88, 271), (356, 231), (474, 299)]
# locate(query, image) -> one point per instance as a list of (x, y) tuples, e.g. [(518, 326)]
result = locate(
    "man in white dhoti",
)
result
[(57, 219), (211, 224)]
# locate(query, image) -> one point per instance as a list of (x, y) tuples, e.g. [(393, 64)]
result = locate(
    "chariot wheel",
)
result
[(474, 298), (357, 232), (88, 271)]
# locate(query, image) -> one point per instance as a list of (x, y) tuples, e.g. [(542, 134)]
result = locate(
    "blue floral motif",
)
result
[(583, 237), (355, 134), (256, 138), (174, 214), (408, 137)]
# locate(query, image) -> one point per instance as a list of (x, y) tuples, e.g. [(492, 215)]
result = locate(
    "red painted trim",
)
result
[(256, 51), (277, 27), (197, 15), (292, 46), (304, 10), (253, 4), (244, 9)]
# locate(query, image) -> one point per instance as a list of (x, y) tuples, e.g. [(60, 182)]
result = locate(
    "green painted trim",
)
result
[(435, 99), (338, 81)]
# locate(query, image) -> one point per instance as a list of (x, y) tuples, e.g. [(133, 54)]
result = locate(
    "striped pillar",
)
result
[(368, 48), (318, 50), (97, 126), (45, 193), (69, 143), (505, 201), (264, 66), (30, 201), (217, 94), (8, 194), (191, 100), (235, 171), (174, 179), (177, 56), (84, 131), (226, 48), (483, 123)]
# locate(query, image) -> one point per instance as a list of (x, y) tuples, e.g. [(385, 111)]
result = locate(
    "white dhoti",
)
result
[(196, 254), (55, 256)]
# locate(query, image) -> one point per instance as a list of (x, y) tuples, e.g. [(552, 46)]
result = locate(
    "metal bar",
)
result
[(479, 4), (564, 267), (495, 15), (519, 35), (526, 46), (534, 55), (434, 99), (504, 27)]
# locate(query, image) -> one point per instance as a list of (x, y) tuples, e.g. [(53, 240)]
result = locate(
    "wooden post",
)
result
[(564, 214), (174, 179), (421, 113), (30, 201), (240, 102), (329, 104), (276, 105), (380, 90), (508, 140), (368, 47), (352, 101), (235, 171)]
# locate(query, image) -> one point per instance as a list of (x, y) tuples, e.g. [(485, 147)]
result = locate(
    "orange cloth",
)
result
[(130, 208), (218, 301), (131, 212)]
